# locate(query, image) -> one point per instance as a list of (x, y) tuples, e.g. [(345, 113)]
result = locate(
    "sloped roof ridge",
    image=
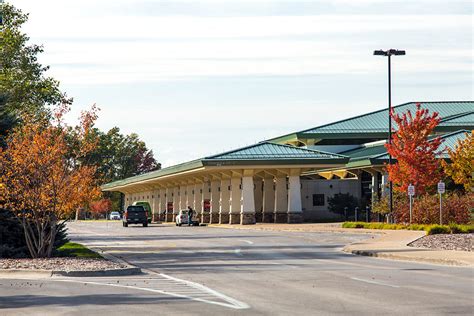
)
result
[(309, 149), (276, 145), (455, 116), (381, 110), (461, 131)]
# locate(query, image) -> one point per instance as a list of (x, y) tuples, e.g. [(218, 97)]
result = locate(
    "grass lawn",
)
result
[(72, 249)]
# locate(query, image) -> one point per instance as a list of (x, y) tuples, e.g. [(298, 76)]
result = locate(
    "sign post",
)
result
[(441, 190), (411, 193)]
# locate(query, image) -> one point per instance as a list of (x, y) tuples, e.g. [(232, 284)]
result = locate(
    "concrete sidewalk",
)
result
[(389, 244)]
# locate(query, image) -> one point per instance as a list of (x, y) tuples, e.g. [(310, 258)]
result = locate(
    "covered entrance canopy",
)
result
[(255, 183)]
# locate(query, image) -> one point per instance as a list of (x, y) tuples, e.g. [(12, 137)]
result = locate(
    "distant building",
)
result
[(289, 178)]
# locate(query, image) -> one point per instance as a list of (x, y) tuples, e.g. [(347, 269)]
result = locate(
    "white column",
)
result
[(235, 201), (268, 200), (258, 194), (224, 202), (163, 202), (385, 184), (215, 202), (295, 209), (189, 196), (197, 202), (175, 202), (155, 199), (169, 198), (281, 200), (205, 196), (126, 201), (375, 186), (248, 201), (182, 198)]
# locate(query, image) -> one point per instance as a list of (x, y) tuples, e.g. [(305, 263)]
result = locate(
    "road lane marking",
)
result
[(375, 282), (247, 241), (190, 290)]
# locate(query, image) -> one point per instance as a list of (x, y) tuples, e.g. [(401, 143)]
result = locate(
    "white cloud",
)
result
[(174, 27)]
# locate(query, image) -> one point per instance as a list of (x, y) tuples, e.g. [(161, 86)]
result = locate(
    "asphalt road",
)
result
[(217, 271)]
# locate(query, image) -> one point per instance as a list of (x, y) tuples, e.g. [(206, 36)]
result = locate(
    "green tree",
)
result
[(119, 156), (24, 85)]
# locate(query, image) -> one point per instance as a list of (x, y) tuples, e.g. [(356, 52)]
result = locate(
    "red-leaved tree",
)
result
[(414, 152), (100, 207)]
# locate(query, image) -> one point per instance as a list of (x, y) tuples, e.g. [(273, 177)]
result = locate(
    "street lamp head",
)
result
[(380, 53), (389, 52), (397, 52)]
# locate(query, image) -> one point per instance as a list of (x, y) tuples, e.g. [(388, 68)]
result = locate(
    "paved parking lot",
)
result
[(215, 271)]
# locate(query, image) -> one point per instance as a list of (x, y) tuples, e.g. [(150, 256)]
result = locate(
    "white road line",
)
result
[(234, 302), (247, 241), (375, 282), (238, 252), (231, 303)]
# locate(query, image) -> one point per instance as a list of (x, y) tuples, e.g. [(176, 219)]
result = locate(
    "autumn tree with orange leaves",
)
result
[(43, 179), (461, 168), (414, 152)]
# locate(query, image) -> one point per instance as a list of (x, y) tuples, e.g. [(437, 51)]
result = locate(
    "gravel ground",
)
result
[(60, 264), (446, 242)]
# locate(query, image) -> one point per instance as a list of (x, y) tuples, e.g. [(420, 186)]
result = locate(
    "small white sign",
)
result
[(411, 190), (441, 187)]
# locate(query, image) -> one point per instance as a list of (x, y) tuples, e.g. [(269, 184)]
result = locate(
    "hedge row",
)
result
[(430, 229)]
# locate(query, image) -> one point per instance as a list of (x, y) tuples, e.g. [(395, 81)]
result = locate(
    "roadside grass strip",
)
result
[(168, 285), (72, 249)]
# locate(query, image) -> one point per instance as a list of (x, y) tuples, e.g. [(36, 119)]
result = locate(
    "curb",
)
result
[(24, 272), (74, 273), (129, 270), (98, 273), (296, 230), (392, 256)]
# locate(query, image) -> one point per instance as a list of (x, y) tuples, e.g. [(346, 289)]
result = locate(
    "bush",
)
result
[(430, 229), (438, 229), (12, 237), (425, 208), (340, 201)]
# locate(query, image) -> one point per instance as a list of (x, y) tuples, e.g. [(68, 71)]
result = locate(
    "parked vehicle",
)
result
[(182, 218), (135, 214), (115, 216), (146, 206)]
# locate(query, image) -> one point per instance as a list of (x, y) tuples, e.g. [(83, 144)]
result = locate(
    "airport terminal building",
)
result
[(287, 179)]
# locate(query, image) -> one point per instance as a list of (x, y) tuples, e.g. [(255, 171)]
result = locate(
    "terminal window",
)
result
[(318, 199)]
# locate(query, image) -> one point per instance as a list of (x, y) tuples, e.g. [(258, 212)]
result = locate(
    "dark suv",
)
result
[(135, 214)]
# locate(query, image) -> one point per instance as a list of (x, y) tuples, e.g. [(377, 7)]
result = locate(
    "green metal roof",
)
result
[(155, 174), (368, 151), (465, 119), (449, 141), (270, 151), (375, 124)]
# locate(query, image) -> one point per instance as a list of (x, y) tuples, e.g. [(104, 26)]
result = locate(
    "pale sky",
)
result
[(195, 78)]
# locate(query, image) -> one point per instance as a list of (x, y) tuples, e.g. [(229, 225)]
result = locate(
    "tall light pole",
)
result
[(389, 53)]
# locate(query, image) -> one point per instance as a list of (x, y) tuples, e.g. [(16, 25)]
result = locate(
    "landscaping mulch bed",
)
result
[(60, 264), (462, 242)]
